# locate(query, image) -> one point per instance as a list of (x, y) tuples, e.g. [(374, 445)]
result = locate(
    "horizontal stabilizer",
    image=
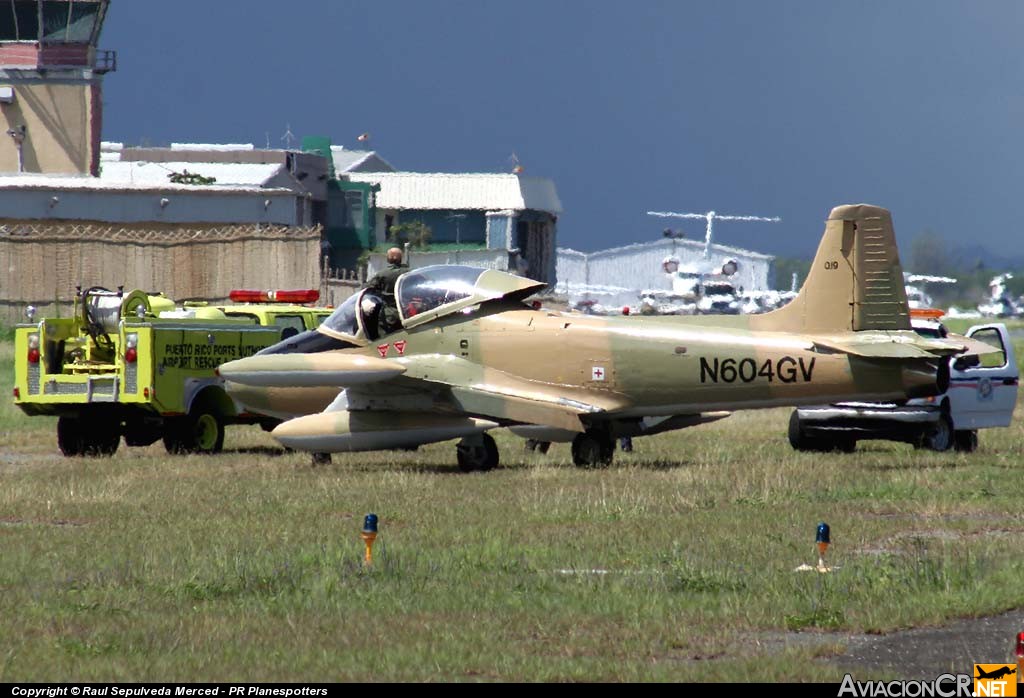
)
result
[(904, 345), (310, 370)]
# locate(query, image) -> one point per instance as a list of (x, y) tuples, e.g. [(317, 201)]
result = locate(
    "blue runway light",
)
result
[(823, 535), (370, 524)]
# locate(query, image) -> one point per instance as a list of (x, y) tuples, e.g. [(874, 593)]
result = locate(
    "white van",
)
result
[(982, 394)]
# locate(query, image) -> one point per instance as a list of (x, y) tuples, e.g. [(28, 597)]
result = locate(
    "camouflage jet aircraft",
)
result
[(472, 356)]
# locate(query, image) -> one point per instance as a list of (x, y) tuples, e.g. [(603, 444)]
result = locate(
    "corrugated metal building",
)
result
[(615, 276)]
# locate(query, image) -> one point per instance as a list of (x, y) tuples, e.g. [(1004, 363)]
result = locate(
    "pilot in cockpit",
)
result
[(370, 306), (383, 282)]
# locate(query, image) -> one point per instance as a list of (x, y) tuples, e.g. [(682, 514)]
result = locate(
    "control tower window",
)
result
[(67, 21)]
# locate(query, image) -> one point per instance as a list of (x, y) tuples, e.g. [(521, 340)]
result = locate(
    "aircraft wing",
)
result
[(450, 384), (903, 345)]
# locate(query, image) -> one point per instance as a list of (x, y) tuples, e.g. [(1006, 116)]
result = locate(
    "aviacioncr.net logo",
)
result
[(944, 686), (995, 680)]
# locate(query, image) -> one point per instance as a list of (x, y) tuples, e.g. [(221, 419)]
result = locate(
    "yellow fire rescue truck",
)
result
[(138, 365)]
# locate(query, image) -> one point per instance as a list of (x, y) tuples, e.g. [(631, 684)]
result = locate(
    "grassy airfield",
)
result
[(676, 564)]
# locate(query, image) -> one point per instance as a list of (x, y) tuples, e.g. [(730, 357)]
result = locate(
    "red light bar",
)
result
[(927, 313), (307, 295)]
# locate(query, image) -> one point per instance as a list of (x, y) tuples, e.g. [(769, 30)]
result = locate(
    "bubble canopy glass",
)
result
[(423, 290), (425, 294)]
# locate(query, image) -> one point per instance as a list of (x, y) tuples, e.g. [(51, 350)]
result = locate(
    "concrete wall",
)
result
[(59, 119)]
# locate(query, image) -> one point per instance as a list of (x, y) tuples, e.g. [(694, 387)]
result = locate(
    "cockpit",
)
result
[(422, 295), (423, 290)]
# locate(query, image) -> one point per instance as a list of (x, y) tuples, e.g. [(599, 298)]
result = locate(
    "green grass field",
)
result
[(676, 564)]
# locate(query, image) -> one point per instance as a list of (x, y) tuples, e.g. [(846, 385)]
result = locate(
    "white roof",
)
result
[(121, 176), (486, 192), (152, 174), (346, 160), (218, 147)]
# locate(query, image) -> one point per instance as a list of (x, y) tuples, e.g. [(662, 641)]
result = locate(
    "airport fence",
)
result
[(41, 263)]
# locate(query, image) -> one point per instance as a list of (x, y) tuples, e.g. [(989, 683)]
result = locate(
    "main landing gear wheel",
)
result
[(320, 458), (592, 449), (477, 453), (539, 446), (940, 438), (965, 440)]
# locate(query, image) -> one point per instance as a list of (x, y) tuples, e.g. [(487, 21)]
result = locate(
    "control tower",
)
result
[(51, 76)]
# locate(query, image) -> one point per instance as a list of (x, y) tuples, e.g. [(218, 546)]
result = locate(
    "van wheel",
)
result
[(797, 438), (965, 440), (202, 431), (847, 445), (940, 438)]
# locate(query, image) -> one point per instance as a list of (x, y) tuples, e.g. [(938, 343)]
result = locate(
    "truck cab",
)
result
[(982, 394)]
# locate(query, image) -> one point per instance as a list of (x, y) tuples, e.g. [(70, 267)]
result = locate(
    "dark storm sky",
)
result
[(769, 108)]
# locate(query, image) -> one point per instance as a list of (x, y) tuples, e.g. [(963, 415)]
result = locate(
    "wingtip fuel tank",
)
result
[(343, 430), (309, 370)]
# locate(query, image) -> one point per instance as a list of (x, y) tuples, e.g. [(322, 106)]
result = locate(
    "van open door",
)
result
[(983, 389)]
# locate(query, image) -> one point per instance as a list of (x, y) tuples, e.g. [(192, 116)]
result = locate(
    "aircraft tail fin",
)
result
[(855, 282)]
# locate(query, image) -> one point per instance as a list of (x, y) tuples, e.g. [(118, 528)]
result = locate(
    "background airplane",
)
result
[(472, 356)]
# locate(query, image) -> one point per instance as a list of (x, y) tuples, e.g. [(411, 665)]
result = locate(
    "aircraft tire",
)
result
[(590, 450), (940, 438), (477, 456), (965, 440), (320, 458), (538, 446)]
